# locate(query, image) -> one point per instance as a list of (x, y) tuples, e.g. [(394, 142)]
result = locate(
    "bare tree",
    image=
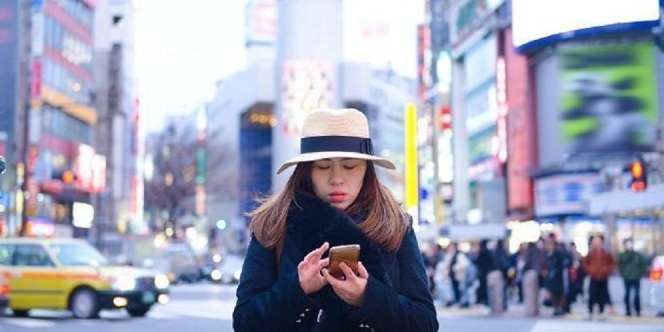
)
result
[(181, 162)]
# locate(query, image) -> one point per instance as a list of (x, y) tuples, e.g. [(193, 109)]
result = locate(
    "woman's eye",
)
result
[(349, 167), (322, 166)]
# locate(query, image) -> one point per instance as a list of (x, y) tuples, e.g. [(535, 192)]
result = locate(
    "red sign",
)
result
[(521, 145), (36, 82)]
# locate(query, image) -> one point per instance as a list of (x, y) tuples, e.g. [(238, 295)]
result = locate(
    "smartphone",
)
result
[(348, 254)]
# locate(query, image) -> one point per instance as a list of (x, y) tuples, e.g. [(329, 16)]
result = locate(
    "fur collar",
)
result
[(311, 221)]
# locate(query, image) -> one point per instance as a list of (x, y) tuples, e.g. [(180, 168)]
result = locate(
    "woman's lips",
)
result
[(337, 197)]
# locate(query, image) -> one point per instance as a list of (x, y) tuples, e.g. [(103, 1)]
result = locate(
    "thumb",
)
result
[(364, 274)]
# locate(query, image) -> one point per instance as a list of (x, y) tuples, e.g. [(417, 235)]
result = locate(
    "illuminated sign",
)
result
[(546, 21), (306, 85)]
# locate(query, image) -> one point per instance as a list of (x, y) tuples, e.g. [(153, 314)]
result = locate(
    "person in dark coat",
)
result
[(333, 198), (553, 273), (484, 263)]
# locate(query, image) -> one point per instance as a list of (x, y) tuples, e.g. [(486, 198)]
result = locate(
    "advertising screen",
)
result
[(543, 21), (609, 98)]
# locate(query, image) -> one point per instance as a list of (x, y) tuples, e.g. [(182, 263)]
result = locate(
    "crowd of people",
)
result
[(543, 273)]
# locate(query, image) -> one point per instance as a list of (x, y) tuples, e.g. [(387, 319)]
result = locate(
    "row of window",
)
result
[(78, 10), (61, 124), (71, 47), (58, 77), (24, 255)]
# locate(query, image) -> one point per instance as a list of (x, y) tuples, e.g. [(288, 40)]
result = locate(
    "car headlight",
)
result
[(215, 275), (237, 274), (161, 281), (124, 283)]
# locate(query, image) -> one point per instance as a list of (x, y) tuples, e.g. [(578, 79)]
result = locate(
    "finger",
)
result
[(364, 274), (316, 253), (348, 272), (323, 263), (336, 283)]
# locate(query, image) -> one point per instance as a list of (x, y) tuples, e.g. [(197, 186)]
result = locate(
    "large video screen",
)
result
[(542, 21), (609, 97)]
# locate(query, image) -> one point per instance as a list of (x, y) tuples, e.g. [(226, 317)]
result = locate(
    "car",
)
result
[(178, 261), (70, 274), (657, 284), (4, 292), (228, 270)]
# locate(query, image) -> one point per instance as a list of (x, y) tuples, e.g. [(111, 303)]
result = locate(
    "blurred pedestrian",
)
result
[(576, 276), (333, 198), (531, 278), (599, 264), (632, 266), (517, 269), (484, 264), (553, 275)]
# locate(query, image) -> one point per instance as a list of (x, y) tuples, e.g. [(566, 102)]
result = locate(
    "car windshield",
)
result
[(78, 254)]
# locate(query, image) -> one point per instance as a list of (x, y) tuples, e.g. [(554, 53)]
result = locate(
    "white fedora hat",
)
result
[(336, 133)]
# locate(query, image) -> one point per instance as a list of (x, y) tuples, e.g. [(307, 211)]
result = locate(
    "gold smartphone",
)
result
[(348, 254)]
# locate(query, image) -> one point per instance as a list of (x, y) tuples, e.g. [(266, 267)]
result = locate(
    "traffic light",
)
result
[(639, 176)]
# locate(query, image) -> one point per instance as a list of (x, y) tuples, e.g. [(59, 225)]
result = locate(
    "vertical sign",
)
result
[(412, 185)]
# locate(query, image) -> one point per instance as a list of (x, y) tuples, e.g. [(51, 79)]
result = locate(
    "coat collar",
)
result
[(311, 222)]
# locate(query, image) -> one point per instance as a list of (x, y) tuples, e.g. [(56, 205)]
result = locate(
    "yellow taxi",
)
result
[(70, 274)]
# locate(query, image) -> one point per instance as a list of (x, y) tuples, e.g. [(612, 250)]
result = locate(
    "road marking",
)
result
[(28, 322), (577, 326)]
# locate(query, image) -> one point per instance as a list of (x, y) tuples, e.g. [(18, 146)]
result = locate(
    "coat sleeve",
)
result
[(263, 298), (410, 309)]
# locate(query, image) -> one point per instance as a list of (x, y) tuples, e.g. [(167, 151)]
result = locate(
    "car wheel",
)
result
[(83, 304), (139, 311), (20, 312)]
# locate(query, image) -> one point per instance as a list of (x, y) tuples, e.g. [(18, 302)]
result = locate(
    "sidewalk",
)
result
[(517, 311), (579, 309)]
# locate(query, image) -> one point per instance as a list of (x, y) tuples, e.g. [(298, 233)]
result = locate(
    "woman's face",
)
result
[(338, 181)]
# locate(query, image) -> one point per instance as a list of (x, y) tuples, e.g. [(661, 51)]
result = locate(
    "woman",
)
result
[(599, 265), (333, 198)]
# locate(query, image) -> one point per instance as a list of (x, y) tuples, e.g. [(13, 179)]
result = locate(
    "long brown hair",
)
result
[(384, 224)]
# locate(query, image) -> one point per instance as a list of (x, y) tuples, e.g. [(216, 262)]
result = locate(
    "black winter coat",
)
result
[(397, 296)]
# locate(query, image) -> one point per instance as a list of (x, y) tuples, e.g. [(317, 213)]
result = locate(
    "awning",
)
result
[(626, 201)]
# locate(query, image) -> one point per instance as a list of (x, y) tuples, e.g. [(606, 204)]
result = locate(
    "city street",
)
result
[(205, 307)]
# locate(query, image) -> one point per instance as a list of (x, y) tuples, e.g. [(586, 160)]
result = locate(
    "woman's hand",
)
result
[(351, 288), (308, 271)]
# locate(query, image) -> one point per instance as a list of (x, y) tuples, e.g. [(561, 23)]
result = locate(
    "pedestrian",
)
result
[(333, 198), (576, 276), (484, 263), (534, 259), (553, 275), (599, 264), (517, 265), (632, 266)]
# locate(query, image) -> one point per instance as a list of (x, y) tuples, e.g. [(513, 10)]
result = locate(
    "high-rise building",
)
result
[(117, 136), (257, 112), (54, 154)]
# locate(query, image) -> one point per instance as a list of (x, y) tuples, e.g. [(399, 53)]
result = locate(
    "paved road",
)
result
[(205, 307)]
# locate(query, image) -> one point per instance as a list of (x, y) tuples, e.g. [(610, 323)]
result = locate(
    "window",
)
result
[(78, 255), (6, 252), (31, 255)]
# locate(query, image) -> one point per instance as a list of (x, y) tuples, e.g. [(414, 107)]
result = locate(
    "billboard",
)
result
[(566, 194), (609, 98), (538, 22), (8, 67)]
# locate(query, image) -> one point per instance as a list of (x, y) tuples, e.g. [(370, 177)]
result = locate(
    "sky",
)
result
[(183, 47)]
